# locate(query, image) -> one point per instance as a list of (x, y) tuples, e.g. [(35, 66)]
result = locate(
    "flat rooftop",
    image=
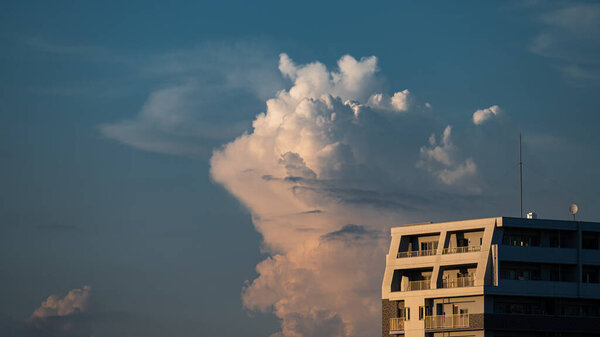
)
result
[(502, 221)]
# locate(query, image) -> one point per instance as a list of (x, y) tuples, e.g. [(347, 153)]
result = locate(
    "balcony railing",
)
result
[(447, 322), (456, 250), (418, 285), (466, 281), (396, 325), (414, 253)]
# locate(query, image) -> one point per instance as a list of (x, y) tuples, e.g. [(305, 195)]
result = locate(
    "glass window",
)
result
[(404, 313)]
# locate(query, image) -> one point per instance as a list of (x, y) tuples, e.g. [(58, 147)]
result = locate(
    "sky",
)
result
[(233, 168)]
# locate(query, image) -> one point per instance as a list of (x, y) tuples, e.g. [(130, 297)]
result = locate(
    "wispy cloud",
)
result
[(210, 96), (180, 120), (351, 233), (570, 36), (198, 98)]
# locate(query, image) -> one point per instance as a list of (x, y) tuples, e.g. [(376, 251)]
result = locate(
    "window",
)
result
[(555, 239), (439, 309), (405, 313), (589, 240), (421, 313), (432, 245), (590, 275), (521, 239), (520, 273)]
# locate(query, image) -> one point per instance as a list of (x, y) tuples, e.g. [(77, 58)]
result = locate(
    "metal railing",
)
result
[(447, 322), (396, 324), (414, 253), (459, 282), (456, 250), (418, 285)]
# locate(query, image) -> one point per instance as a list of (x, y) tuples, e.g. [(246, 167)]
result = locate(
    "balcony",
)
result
[(418, 285), (466, 281), (447, 322), (396, 325), (456, 250), (415, 253)]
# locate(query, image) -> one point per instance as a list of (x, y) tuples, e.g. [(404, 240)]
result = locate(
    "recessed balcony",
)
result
[(418, 245), (418, 285), (459, 282), (396, 325)]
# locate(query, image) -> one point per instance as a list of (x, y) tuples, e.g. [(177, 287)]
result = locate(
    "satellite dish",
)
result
[(573, 210)]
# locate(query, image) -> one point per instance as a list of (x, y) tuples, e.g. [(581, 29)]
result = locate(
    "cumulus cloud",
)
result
[(296, 159), (63, 315), (320, 160), (352, 80), (75, 301), (439, 159), (482, 115), (399, 102)]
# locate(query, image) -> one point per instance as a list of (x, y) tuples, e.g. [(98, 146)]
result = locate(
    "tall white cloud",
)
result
[(324, 175)]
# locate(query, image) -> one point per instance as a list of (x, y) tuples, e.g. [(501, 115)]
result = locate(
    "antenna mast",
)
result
[(520, 176)]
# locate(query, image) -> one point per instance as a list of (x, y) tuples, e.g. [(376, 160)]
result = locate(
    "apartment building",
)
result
[(493, 277)]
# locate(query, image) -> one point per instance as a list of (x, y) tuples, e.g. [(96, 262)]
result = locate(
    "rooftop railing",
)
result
[(446, 322), (455, 250), (414, 253), (396, 325), (459, 282), (418, 285)]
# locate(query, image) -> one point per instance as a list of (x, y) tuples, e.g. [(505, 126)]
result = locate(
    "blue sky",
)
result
[(110, 113)]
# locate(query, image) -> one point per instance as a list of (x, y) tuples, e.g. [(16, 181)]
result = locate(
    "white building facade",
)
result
[(494, 277)]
